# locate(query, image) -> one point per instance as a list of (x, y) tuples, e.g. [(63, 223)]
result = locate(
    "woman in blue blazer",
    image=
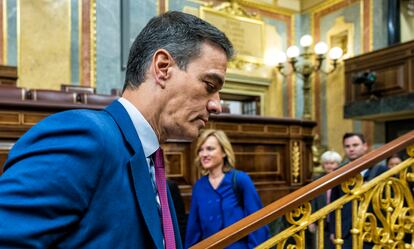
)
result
[(223, 195)]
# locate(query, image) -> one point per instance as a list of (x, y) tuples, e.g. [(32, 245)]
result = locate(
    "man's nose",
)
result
[(213, 105)]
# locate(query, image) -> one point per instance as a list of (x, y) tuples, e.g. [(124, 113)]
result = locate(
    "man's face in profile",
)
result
[(354, 147), (194, 93)]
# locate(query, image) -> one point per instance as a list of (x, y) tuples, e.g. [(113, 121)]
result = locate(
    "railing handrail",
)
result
[(293, 200)]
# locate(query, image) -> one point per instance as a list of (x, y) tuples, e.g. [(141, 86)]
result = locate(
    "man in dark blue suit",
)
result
[(84, 179), (355, 146)]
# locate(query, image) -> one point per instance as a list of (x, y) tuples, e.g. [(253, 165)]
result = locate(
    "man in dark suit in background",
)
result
[(179, 207), (85, 179), (355, 146)]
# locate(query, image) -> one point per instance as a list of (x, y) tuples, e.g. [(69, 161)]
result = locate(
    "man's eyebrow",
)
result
[(216, 78)]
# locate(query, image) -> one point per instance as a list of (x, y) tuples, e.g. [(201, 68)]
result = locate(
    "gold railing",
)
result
[(382, 209), (383, 212)]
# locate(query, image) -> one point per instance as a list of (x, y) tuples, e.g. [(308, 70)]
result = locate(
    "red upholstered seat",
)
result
[(77, 89), (52, 96), (97, 99), (12, 92)]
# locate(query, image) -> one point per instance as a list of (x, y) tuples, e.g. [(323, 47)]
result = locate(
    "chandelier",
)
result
[(306, 63)]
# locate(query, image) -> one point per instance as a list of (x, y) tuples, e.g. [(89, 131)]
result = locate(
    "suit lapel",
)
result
[(140, 175), (367, 175), (146, 200), (124, 122)]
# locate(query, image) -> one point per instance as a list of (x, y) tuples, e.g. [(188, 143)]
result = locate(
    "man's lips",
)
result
[(203, 120)]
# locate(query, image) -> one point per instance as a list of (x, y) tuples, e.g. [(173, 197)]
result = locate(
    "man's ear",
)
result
[(162, 62), (365, 147)]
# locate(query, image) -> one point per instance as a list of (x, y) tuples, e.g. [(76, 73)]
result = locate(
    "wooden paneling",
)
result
[(8, 75), (275, 152), (264, 148), (3, 157), (394, 68)]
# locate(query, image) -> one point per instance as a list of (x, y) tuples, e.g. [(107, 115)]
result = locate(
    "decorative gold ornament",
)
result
[(382, 213), (317, 151), (233, 8), (300, 214), (295, 161), (352, 184), (410, 150)]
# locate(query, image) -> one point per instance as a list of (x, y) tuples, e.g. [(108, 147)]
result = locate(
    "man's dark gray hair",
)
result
[(351, 134), (180, 34)]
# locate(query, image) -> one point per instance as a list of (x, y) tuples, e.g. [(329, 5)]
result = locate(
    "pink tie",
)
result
[(328, 196), (162, 192), (328, 200)]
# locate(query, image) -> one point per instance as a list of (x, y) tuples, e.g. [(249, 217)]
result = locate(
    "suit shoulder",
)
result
[(85, 128), (81, 117), (81, 120), (380, 168)]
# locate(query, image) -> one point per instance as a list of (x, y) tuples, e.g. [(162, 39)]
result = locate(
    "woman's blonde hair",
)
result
[(229, 159)]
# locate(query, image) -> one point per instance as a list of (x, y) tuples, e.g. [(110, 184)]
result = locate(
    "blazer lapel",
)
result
[(146, 200), (140, 175)]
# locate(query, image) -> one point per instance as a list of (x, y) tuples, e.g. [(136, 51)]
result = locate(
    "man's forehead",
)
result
[(353, 139)]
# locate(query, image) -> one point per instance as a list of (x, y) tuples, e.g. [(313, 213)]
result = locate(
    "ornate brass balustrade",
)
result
[(386, 224), (383, 208)]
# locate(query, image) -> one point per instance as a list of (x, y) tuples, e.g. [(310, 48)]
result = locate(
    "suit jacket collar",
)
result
[(144, 130), (122, 119)]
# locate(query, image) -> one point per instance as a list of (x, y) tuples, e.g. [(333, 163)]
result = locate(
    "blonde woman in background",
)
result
[(223, 195)]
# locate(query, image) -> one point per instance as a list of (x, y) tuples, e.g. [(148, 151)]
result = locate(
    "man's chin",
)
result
[(194, 131), (193, 134), (188, 134)]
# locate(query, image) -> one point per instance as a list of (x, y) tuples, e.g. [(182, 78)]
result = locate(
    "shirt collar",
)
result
[(144, 130)]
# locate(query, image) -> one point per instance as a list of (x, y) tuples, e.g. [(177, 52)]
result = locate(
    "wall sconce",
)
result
[(306, 63)]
